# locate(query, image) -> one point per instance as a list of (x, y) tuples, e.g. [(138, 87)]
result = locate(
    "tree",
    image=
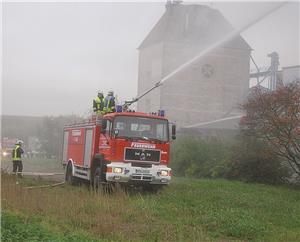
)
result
[(274, 117), (254, 161)]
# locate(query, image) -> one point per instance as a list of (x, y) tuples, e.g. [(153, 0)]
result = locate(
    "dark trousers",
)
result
[(17, 166)]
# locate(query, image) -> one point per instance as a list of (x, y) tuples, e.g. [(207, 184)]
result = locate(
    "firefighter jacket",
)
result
[(98, 105), (17, 153), (109, 104)]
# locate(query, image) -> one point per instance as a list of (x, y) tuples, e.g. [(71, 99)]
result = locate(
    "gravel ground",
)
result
[(38, 165)]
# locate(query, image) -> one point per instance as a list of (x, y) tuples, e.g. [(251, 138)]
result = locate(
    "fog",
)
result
[(57, 55)]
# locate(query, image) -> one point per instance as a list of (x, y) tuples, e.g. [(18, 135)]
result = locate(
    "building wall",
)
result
[(193, 96), (150, 72), (209, 89)]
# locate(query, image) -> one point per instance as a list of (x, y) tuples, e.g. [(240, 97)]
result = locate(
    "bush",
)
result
[(195, 157), (246, 159), (254, 161)]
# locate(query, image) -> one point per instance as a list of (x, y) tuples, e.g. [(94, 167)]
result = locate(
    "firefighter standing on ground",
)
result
[(109, 103), (98, 103), (17, 158)]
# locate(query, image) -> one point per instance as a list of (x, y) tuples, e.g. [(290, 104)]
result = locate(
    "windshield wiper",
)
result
[(125, 137), (142, 138), (157, 140), (137, 138), (129, 138)]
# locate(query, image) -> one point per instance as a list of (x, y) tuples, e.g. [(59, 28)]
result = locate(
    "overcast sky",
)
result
[(57, 55)]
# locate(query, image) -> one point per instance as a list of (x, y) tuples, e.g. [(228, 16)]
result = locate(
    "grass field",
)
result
[(187, 210)]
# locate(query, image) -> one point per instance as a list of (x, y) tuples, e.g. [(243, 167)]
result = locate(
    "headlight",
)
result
[(5, 154), (164, 173), (117, 170)]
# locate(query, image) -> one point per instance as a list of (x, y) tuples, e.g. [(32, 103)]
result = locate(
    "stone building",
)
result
[(209, 89)]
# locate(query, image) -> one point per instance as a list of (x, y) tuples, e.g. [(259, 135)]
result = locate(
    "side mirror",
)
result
[(173, 131), (103, 126), (116, 132)]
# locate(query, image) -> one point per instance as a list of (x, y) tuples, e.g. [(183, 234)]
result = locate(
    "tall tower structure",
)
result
[(208, 89), (274, 70)]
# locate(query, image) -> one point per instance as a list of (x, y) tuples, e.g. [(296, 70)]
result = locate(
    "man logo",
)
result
[(142, 156)]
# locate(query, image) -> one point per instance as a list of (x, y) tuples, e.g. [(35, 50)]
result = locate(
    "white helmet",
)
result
[(110, 93), (19, 142)]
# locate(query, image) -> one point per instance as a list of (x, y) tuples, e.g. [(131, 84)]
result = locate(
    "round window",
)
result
[(207, 70)]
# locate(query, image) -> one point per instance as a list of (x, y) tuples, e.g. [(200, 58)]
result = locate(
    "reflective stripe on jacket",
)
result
[(16, 153), (109, 104), (98, 105)]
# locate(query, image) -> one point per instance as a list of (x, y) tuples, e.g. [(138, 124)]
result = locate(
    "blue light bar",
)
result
[(119, 108), (161, 113)]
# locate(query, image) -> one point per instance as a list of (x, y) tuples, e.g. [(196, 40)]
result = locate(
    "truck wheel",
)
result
[(97, 180), (70, 179)]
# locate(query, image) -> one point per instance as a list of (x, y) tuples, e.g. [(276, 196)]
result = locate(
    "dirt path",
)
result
[(41, 167)]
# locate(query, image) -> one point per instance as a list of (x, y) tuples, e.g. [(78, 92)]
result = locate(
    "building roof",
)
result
[(197, 24)]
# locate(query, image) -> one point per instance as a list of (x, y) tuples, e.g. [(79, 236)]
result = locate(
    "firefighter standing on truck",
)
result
[(98, 103), (109, 103), (17, 158)]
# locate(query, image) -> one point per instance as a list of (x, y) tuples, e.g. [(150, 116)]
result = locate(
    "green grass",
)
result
[(21, 228), (231, 209), (187, 210)]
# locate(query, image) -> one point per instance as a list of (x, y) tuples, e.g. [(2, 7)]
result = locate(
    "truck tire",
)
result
[(69, 178)]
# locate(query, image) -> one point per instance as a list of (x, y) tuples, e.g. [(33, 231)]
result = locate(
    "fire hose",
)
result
[(46, 186)]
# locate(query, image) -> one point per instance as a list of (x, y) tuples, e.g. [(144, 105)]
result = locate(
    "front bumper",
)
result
[(129, 174)]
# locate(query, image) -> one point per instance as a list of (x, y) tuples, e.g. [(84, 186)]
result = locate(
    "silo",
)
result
[(210, 88)]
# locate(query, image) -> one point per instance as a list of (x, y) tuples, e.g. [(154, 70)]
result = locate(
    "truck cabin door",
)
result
[(105, 139)]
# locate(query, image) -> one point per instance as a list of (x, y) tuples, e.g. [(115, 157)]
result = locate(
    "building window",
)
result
[(207, 70)]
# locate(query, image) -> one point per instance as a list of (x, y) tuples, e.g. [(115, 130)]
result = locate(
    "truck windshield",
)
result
[(143, 128)]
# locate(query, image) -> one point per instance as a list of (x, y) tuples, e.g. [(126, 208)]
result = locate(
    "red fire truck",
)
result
[(121, 147)]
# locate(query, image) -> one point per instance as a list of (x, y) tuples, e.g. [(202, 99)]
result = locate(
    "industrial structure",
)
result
[(209, 89), (290, 74), (271, 77)]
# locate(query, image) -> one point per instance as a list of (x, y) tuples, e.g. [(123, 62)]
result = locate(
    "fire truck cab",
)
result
[(124, 147)]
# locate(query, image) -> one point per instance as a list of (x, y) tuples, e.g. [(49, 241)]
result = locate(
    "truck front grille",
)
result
[(141, 177), (132, 154), (139, 164)]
